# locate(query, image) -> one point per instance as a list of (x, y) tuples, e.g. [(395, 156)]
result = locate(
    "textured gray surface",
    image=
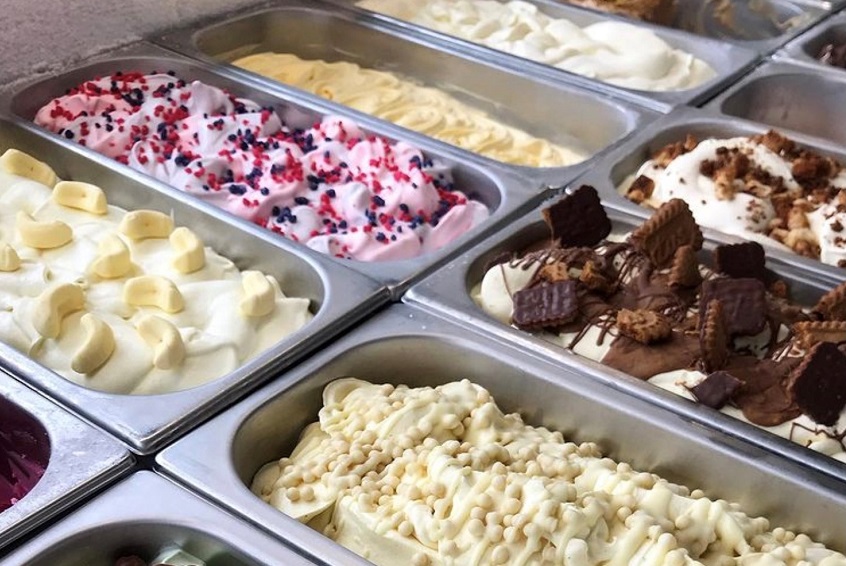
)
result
[(42, 35)]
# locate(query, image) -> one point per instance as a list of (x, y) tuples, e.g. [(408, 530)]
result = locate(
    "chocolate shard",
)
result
[(578, 219), (833, 304), (671, 227), (643, 325), (744, 304), (685, 269), (714, 338), (746, 260), (716, 389), (808, 333), (818, 385), (546, 305)]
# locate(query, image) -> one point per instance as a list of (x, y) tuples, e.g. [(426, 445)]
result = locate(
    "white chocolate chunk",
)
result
[(22, 164), (53, 305), (113, 259), (45, 235), (153, 291), (142, 224), (97, 346), (165, 340), (81, 196), (190, 254), (9, 259), (259, 296)]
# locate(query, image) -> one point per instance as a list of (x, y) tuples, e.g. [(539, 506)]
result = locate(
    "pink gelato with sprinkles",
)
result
[(331, 187)]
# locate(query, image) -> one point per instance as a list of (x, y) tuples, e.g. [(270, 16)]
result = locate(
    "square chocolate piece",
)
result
[(818, 385), (578, 219), (716, 389), (746, 260), (744, 303), (545, 305)]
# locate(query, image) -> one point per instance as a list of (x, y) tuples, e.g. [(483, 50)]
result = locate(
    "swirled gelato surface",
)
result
[(602, 51), (123, 302), (615, 303), (423, 109), (24, 453), (764, 188), (330, 187), (440, 476)]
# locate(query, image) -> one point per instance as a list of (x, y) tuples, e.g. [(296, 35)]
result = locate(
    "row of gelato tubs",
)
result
[(441, 335)]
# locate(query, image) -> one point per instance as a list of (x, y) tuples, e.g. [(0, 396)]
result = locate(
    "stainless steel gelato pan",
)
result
[(448, 293), (556, 112), (618, 165), (807, 47), (80, 459), (789, 96), (405, 345), (760, 25), (143, 516), (728, 60), (339, 297), (500, 189)]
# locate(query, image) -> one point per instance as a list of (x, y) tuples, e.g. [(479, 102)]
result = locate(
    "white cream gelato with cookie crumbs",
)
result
[(745, 214), (121, 302), (440, 476), (604, 51)]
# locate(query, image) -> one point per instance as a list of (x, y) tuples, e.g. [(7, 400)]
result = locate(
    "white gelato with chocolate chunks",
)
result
[(764, 188), (440, 476)]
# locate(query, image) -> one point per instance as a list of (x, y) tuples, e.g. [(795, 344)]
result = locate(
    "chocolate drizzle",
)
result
[(762, 364)]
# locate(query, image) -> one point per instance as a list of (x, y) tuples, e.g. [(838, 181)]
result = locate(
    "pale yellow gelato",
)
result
[(419, 108), (124, 302), (440, 476)]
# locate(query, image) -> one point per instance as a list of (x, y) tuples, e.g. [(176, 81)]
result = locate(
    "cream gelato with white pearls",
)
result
[(121, 301), (440, 476)]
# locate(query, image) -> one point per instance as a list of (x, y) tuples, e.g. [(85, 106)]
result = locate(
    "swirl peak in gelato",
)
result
[(330, 187)]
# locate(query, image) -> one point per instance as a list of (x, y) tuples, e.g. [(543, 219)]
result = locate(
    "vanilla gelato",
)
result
[(762, 188), (765, 338), (124, 302), (440, 476), (602, 51), (423, 109)]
